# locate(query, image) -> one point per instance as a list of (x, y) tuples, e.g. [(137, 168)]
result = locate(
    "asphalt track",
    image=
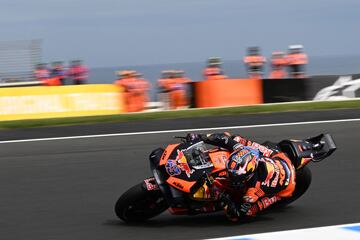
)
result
[(66, 189)]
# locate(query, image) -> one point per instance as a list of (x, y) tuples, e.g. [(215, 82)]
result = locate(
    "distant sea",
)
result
[(329, 65)]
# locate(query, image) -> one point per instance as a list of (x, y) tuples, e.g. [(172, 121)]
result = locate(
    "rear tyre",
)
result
[(138, 204), (303, 181)]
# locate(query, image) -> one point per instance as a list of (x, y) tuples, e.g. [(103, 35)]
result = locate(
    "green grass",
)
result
[(303, 106)]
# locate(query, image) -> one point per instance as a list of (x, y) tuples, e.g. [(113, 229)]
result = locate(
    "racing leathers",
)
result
[(273, 179)]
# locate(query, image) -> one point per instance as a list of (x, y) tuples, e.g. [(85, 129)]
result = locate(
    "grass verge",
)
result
[(188, 113)]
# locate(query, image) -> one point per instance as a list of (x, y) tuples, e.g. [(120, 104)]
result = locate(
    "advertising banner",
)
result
[(284, 90), (228, 92), (60, 101), (333, 87)]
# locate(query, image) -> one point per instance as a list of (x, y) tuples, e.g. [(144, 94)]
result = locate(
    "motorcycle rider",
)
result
[(266, 174)]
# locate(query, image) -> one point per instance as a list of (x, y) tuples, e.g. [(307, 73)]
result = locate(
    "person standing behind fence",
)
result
[(254, 63), (141, 92), (213, 70), (164, 88), (173, 89), (127, 83), (58, 70), (297, 61), (278, 64), (178, 96), (78, 72), (41, 72), (135, 90)]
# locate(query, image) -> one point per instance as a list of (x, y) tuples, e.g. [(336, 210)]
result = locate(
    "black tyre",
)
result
[(138, 204), (303, 181)]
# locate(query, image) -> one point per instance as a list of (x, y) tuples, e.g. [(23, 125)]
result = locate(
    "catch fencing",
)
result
[(18, 60)]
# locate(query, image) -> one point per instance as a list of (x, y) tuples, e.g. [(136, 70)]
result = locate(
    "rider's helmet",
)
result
[(242, 164)]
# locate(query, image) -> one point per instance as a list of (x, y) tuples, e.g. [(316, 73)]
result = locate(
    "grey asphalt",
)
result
[(66, 189)]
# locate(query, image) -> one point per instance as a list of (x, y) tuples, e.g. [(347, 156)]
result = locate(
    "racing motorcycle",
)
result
[(184, 172)]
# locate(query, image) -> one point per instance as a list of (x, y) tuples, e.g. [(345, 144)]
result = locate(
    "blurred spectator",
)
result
[(78, 72), (254, 62), (173, 89), (179, 98), (213, 70), (41, 72), (278, 64), (164, 88), (58, 70), (297, 61), (141, 94), (135, 90)]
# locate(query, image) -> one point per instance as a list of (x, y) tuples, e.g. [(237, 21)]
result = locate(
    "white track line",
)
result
[(179, 130)]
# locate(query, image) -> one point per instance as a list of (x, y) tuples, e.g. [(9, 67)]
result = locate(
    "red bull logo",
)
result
[(250, 167), (271, 170), (183, 164)]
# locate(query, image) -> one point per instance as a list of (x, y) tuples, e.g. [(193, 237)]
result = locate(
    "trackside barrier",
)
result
[(284, 90), (228, 92), (60, 101), (331, 87), (232, 92)]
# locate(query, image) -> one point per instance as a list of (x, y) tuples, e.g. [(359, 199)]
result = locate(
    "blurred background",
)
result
[(79, 42)]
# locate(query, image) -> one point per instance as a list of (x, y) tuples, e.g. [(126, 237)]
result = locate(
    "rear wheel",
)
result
[(303, 181), (139, 204)]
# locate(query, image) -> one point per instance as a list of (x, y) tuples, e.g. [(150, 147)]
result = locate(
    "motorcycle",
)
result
[(184, 173)]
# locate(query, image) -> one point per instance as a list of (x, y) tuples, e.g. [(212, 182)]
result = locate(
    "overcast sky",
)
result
[(136, 32)]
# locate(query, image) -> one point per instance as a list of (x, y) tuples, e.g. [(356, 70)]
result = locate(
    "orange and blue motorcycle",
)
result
[(185, 175)]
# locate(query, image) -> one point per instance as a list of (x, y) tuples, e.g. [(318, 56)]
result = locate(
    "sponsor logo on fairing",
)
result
[(183, 164), (175, 167), (178, 185), (150, 185), (172, 168)]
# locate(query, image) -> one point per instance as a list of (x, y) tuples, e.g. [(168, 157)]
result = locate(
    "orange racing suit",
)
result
[(274, 177)]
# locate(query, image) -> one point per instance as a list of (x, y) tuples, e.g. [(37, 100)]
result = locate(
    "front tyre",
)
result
[(139, 204)]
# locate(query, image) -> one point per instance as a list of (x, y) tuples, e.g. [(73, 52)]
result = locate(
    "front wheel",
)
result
[(139, 204)]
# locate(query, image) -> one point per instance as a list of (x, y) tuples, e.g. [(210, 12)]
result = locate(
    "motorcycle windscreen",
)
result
[(190, 165)]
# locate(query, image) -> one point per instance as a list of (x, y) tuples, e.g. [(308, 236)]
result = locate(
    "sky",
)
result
[(138, 32)]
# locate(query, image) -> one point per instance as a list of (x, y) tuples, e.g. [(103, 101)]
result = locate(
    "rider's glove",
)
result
[(244, 208), (235, 211), (193, 137), (232, 209), (223, 140)]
